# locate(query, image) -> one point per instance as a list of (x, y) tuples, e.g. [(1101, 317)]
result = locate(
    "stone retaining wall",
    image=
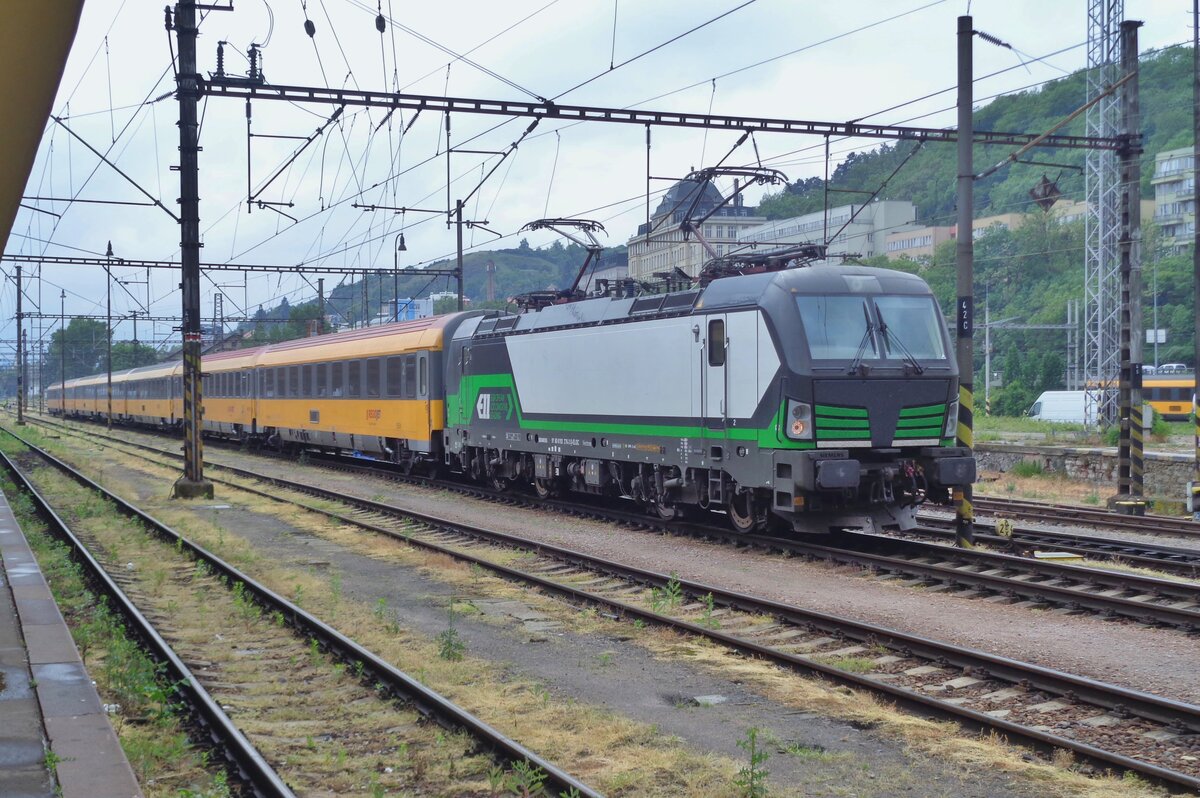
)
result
[(1167, 475)]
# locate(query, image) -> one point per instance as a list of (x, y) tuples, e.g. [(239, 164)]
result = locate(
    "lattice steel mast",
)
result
[(1102, 275)]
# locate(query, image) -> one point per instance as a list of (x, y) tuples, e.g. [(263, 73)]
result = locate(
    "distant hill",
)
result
[(928, 180), (518, 270)]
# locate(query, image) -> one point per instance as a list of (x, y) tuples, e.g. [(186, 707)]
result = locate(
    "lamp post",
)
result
[(398, 246), (62, 349), (108, 292)]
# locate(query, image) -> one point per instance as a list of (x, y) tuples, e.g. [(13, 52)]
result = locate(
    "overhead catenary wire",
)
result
[(656, 48)]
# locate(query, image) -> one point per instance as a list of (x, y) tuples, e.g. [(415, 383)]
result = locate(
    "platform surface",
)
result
[(47, 699)]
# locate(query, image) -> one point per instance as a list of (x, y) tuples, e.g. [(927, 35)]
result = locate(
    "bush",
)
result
[(1028, 468)]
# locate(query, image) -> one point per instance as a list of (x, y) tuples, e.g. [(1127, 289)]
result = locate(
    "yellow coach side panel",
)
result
[(375, 416), (217, 405)]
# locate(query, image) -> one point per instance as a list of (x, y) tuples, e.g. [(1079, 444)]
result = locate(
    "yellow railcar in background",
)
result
[(376, 390), (228, 392), (1171, 395), (149, 394)]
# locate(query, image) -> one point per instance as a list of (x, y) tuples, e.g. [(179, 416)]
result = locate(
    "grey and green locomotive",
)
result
[(818, 399)]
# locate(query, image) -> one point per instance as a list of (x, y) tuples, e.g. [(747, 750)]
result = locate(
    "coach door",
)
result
[(716, 351)]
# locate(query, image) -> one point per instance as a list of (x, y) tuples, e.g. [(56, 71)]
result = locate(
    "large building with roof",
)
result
[(660, 246), (859, 230)]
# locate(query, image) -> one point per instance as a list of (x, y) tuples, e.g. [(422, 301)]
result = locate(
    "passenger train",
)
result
[(816, 399)]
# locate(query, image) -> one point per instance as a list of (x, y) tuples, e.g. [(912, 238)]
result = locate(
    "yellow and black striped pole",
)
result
[(1194, 487), (964, 516), (192, 484)]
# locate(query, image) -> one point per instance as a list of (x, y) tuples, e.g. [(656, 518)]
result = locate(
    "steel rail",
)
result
[(1172, 559), (1182, 617), (1175, 714), (428, 702), (252, 767), (1185, 618), (1060, 514)]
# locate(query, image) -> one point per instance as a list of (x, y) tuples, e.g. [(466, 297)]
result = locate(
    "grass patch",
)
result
[(151, 731), (620, 756), (1028, 468), (852, 664)]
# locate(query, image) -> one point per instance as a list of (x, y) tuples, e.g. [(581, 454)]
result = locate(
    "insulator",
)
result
[(380, 23), (220, 58), (310, 28), (253, 62)]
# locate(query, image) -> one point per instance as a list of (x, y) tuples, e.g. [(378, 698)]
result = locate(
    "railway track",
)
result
[(358, 714), (1168, 559), (1111, 727), (1043, 512), (967, 573)]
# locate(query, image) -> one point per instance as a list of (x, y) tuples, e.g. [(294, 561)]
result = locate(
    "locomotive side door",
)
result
[(714, 375)]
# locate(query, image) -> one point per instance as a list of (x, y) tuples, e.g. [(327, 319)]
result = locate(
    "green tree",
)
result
[(85, 343)]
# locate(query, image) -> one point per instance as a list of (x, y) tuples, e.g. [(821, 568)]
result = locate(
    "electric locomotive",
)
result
[(818, 399)]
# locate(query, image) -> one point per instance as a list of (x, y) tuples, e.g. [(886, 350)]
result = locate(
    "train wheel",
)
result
[(499, 483), (742, 516), (544, 488)]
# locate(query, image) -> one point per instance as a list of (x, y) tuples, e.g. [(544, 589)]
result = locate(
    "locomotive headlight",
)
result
[(799, 423), (951, 420)]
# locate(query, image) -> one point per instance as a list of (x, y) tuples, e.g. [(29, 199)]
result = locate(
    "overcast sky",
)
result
[(828, 61)]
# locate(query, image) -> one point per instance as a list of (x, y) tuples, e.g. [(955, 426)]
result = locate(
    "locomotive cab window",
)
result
[(911, 326), (716, 342), (837, 327)]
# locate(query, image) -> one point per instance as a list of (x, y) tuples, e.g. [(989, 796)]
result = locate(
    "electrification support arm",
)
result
[(225, 87)]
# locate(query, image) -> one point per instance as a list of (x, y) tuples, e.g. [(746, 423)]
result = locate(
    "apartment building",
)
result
[(1175, 198)]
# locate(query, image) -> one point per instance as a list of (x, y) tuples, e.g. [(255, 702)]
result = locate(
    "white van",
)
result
[(1071, 407), (1063, 406)]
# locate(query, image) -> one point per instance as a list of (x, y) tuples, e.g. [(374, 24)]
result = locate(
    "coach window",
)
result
[(293, 381), (322, 379), (354, 379), (373, 377), (423, 376), (410, 376), (395, 376), (337, 379), (716, 342), (306, 380)]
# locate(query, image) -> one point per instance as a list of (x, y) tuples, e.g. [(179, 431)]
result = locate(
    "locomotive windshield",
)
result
[(838, 327), (911, 326), (872, 327)]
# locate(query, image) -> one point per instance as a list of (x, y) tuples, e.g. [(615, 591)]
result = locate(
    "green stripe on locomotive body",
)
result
[(460, 407), (844, 435), (840, 412), (923, 432), (924, 410), (842, 423), (928, 421)]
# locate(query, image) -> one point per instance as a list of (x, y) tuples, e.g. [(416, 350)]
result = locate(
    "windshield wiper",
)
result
[(908, 356), (856, 363)]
